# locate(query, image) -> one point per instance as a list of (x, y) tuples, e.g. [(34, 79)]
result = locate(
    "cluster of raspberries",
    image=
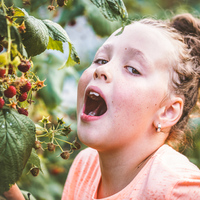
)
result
[(17, 88)]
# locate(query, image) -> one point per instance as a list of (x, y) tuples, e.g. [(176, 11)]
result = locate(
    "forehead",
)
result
[(153, 42)]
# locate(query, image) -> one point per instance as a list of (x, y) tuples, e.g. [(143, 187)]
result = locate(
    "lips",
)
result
[(95, 104)]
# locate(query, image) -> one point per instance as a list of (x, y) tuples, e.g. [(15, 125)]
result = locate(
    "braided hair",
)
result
[(184, 67)]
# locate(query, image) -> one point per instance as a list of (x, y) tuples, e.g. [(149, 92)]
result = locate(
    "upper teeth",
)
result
[(94, 93)]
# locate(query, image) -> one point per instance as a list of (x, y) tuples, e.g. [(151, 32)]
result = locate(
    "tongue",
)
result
[(97, 111), (95, 107)]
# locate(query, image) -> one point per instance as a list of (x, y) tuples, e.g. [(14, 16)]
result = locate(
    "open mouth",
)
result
[(95, 104)]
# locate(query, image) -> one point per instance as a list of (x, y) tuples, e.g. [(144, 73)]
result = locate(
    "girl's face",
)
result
[(120, 94)]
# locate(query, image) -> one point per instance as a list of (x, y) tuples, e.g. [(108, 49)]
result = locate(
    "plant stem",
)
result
[(8, 32), (42, 135), (57, 125), (59, 145), (52, 137), (64, 141), (45, 125)]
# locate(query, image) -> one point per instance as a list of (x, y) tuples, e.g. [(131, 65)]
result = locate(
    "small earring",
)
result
[(159, 128)]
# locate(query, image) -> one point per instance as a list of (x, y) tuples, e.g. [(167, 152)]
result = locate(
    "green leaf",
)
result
[(34, 160), (16, 38), (55, 45), (113, 10), (36, 37), (56, 32), (18, 12), (45, 34), (72, 58), (16, 61), (100, 24), (3, 59), (17, 138)]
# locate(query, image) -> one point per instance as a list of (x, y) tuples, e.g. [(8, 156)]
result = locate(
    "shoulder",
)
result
[(172, 175), (175, 163), (87, 155), (84, 162), (82, 174)]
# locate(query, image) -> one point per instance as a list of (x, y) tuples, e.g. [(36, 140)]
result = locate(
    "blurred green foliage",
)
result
[(49, 185)]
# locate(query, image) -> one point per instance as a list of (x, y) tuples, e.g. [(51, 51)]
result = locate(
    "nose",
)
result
[(103, 73)]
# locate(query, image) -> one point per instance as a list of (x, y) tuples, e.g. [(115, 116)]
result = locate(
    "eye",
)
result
[(132, 70), (100, 61)]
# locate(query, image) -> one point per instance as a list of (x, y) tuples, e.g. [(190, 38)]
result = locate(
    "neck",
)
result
[(119, 168)]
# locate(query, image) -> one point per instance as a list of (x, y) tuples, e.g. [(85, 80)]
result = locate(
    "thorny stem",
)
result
[(57, 125), (42, 135), (8, 31), (45, 125), (59, 145), (64, 141), (52, 136)]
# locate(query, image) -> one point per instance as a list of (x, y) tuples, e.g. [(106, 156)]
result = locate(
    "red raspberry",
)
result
[(22, 111), (26, 87), (24, 66), (1, 103), (10, 92), (2, 72), (22, 97)]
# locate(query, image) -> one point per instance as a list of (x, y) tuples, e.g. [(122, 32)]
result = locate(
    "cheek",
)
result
[(126, 101), (135, 101), (83, 82)]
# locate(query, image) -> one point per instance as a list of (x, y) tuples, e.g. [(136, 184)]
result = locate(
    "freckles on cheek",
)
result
[(83, 82), (126, 104)]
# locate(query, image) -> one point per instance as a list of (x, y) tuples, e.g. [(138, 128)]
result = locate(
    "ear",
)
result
[(170, 112)]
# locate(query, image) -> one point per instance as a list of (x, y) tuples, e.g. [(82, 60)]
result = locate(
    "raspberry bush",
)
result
[(22, 37)]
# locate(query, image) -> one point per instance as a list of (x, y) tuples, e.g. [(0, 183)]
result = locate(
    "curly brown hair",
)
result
[(184, 32)]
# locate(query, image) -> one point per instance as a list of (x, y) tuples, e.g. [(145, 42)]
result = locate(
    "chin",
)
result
[(88, 138), (84, 136)]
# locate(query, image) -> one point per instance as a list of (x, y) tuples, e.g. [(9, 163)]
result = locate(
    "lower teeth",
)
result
[(92, 113)]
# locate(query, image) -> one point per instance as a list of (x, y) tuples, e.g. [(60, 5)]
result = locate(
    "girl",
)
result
[(133, 105)]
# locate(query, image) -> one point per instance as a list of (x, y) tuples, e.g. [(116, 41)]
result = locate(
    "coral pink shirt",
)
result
[(167, 175)]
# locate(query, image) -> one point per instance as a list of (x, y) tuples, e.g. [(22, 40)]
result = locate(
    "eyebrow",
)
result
[(135, 53), (139, 55), (107, 47)]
